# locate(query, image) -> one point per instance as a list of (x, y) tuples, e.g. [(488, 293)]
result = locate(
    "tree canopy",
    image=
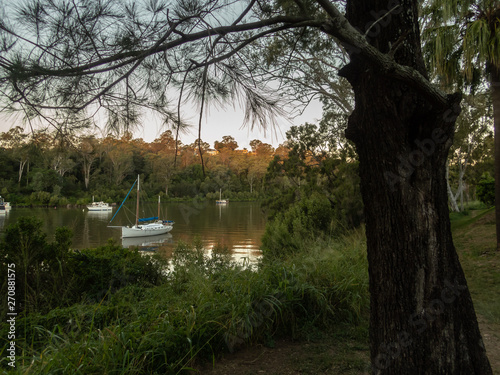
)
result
[(68, 61)]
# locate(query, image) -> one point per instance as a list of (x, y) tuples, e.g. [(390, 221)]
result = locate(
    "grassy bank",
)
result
[(206, 307)]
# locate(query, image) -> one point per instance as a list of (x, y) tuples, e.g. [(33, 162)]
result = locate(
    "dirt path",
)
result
[(293, 358), (325, 356), (491, 338)]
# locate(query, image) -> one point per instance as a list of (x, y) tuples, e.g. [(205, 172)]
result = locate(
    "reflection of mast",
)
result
[(86, 230)]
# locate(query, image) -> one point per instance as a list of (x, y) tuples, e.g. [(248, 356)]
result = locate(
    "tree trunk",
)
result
[(422, 320), (451, 196), (86, 172), (22, 163), (495, 94)]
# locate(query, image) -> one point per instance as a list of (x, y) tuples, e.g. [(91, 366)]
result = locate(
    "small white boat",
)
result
[(220, 200), (99, 206), (153, 225), (4, 206)]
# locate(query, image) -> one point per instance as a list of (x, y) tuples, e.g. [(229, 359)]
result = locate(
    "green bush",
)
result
[(50, 275), (307, 219), (485, 189), (106, 269), (40, 266), (40, 197), (206, 306)]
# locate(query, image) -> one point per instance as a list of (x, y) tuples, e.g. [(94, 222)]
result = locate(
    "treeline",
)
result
[(43, 168)]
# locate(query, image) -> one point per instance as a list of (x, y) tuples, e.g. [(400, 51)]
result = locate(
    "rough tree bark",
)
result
[(422, 320)]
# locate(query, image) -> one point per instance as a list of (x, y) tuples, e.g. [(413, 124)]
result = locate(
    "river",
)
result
[(237, 225)]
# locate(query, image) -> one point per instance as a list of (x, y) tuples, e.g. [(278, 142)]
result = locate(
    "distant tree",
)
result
[(165, 143), (16, 141), (87, 149), (119, 158), (473, 126), (228, 143)]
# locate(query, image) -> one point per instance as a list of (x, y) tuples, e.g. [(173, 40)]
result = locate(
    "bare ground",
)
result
[(491, 339)]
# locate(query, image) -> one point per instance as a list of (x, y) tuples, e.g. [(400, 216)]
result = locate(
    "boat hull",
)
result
[(4, 207), (92, 209), (145, 230), (99, 206)]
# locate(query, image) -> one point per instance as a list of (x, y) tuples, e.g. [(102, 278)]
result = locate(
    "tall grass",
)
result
[(206, 306)]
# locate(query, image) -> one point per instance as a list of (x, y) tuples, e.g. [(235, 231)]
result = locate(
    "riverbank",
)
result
[(206, 306), (303, 315)]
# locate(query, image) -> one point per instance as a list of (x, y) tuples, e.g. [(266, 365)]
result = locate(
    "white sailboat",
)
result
[(220, 200), (153, 225)]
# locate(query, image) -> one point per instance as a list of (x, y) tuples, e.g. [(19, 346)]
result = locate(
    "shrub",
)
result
[(307, 219), (50, 275), (106, 269), (207, 306), (40, 267), (485, 189)]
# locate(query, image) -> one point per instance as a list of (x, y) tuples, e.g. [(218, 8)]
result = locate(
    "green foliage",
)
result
[(289, 230), (106, 269), (485, 189), (49, 274), (460, 41), (314, 191), (40, 266)]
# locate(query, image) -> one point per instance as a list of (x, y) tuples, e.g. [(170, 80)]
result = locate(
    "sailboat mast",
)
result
[(158, 207), (137, 206)]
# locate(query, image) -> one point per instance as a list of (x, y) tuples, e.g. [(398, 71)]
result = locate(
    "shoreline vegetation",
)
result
[(115, 204), (122, 313), (39, 170)]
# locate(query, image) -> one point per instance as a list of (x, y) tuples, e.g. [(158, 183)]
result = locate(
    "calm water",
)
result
[(237, 225)]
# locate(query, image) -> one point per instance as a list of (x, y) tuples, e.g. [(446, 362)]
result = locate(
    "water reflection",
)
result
[(238, 225), (150, 243)]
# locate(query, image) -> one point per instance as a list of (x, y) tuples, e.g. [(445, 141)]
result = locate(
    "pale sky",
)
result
[(229, 121)]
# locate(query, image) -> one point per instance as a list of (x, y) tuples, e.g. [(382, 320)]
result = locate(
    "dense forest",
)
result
[(42, 169)]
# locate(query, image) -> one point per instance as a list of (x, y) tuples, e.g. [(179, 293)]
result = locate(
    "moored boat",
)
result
[(153, 225), (4, 206), (99, 206), (220, 200)]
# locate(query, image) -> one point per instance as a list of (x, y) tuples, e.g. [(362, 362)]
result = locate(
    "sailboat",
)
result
[(220, 200), (153, 225)]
